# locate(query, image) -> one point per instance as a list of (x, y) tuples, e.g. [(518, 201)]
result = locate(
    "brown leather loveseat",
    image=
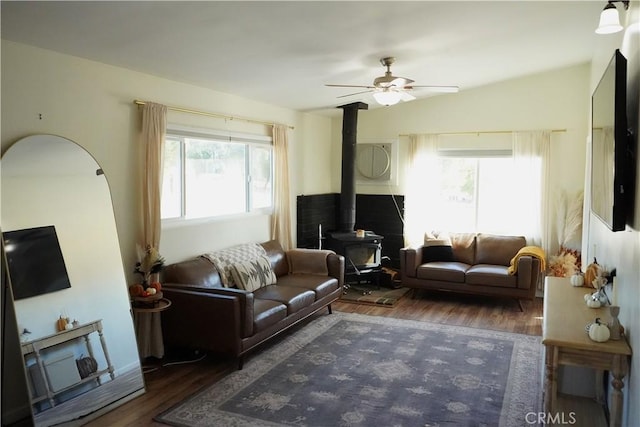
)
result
[(205, 315), (473, 264)]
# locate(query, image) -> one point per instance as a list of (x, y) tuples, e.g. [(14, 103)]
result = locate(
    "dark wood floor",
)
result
[(167, 383)]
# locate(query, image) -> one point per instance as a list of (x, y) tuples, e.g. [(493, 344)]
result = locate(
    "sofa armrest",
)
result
[(202, 321), (316, 261), (245, 302), (410, 260), (528, 272), (335, 265)]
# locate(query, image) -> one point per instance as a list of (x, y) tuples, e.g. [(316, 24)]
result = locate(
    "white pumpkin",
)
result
[(599, 332), (577, 280)]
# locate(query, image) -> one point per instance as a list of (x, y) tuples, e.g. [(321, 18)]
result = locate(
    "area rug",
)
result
[(378, 296), (348, 369)]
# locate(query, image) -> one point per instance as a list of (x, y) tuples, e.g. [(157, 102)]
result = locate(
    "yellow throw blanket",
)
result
[(533, 251)]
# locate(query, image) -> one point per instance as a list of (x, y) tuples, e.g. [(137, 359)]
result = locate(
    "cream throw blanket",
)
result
[(534, 251)]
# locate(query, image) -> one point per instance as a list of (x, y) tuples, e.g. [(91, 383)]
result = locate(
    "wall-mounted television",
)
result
[(35, 262), (610, 156)]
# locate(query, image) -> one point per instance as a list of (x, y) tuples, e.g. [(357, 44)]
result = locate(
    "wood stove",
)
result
[(363, 254)]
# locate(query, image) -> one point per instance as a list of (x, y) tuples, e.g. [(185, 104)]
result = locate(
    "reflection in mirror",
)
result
[(79, 355), (16, 407)]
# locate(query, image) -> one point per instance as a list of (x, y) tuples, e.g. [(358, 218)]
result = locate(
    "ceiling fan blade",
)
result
[(356, 93), (367, 87), (406, 96), (400, 82), (440, 89)]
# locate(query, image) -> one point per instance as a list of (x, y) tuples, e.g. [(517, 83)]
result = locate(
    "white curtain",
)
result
[(281, 218), (531, 154), (419, 212), (154, 125)]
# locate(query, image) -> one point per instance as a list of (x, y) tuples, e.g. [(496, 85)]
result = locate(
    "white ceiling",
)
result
[(283, 53)]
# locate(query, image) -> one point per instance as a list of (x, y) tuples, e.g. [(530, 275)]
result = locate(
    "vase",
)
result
[(614, 323), (151, 278)]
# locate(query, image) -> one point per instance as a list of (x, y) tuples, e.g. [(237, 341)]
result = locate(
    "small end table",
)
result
[(148, 324)]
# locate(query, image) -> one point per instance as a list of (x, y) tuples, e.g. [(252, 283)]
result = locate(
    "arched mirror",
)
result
[(75, 329)]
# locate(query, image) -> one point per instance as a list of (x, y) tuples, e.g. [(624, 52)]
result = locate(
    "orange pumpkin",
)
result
[(156, 285), (136, 290)]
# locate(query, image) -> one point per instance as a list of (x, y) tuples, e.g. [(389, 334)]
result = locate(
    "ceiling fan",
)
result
[(390, 89)]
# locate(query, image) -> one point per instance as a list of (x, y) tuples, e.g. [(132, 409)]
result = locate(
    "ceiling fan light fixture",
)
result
[(609, 20), (387, 97)]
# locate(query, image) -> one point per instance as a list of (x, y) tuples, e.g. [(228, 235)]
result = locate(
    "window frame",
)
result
[(180, 133)]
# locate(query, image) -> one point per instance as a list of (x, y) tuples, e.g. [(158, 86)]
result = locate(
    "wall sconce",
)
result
[(609, 18)]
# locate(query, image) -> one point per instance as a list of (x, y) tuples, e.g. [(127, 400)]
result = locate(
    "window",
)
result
[(209, 175), (490, 183), (474, 194)]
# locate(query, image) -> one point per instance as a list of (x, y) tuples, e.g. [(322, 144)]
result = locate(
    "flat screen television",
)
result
[(35, 262), (610, 165)]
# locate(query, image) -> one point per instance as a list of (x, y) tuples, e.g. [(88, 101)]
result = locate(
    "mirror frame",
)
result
[(98, 296)]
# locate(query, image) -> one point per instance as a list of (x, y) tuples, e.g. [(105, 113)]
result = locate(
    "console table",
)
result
[(34, 348), (567, 343)]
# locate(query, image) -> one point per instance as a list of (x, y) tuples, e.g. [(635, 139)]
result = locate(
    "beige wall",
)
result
[(554, 100), (621, 250), (92, 104)]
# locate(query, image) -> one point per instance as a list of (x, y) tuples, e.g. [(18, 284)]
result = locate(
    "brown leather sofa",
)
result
[(478, 264), (204, 315)]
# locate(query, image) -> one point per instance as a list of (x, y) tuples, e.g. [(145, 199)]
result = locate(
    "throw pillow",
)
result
[(437, 248), (437, 253), (253, 274), (439, 239)]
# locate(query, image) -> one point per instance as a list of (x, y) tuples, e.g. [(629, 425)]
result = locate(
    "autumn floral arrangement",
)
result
[(150, 265), (567, 261)]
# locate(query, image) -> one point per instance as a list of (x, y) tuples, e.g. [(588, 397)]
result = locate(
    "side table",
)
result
[(563, 334), (148, 324)]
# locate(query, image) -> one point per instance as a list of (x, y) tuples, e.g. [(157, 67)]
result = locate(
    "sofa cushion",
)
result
[(253, 274), (491, 275), (198, 272), (321, 285), (294, 298), (498, 250), (266, 313), (464, 247), (277, 256), (444, 271)]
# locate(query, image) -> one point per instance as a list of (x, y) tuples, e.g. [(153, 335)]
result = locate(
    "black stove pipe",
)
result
[(347, 218)]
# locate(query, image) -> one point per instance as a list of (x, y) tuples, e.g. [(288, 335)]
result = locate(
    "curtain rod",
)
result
[(479, 132), (216, 115)]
